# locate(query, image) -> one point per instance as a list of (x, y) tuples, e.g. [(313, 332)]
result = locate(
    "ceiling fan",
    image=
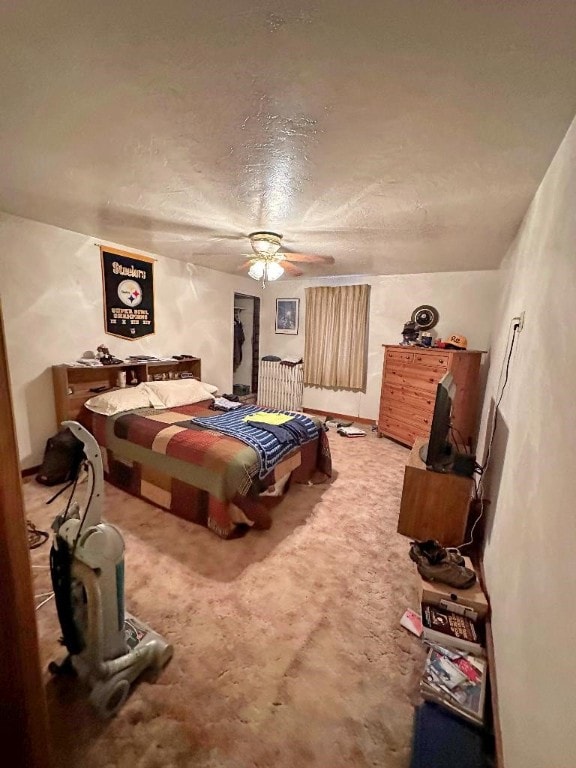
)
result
[(269, 263)]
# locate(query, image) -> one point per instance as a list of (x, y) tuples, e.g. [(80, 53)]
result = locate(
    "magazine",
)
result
[(457, 684), (445, 671), (412, 622), (451, 629)]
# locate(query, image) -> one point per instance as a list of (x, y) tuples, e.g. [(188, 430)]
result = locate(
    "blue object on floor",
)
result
[(443, 740)]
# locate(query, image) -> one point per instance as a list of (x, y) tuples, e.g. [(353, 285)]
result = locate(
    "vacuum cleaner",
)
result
[(107, 647)]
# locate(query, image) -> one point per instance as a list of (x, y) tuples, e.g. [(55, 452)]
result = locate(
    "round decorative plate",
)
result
[(425, 317)]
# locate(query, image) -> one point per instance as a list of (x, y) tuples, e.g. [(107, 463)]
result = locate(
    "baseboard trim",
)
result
[(494, 695), (343, 416), (493, 681), (30, 471)]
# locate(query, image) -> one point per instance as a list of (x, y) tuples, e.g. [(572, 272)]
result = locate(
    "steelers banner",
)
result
[(128, 294)]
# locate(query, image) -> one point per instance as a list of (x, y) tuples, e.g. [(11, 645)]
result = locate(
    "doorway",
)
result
[(246, 350)]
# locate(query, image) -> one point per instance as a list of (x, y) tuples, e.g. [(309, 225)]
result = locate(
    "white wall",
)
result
[(464, 300), (530, 552), (51, 290)]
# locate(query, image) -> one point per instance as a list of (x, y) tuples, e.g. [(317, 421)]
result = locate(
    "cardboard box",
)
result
[(436, 593)]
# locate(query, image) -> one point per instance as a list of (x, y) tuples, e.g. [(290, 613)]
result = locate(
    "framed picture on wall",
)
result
[(287, 311)]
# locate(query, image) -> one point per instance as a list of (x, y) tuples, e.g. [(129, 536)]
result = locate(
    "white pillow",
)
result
[(110, 403), (168, 394), (210, 387)]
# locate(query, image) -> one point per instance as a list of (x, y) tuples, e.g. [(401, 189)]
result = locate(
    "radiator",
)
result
[(280, 386)]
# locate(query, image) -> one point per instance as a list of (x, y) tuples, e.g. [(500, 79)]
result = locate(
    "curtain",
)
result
[(336, 339)]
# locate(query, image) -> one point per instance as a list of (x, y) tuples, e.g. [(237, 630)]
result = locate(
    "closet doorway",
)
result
[(246, 350)]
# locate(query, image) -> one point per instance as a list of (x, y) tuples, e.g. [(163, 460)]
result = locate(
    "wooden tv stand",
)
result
[(434, 505)]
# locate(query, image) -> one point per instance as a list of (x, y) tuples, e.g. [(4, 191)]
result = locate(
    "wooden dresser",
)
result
[(409, 381)]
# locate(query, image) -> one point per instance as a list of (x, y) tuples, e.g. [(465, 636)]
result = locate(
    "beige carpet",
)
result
[(288, 650)]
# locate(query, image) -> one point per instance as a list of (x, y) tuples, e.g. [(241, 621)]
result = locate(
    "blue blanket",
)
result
[(269, 448)]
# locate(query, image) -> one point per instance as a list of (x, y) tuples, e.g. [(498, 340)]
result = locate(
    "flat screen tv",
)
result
[(438, 452)]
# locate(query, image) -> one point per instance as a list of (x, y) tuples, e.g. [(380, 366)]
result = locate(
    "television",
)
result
[(438, 452)]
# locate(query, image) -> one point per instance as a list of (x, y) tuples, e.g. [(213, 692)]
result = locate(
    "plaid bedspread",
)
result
[(217, 463)]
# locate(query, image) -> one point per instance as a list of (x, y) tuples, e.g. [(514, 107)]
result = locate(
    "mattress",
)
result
[(200, 475)]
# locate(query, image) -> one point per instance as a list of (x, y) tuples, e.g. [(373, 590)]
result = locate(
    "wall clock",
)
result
[(425, 317)]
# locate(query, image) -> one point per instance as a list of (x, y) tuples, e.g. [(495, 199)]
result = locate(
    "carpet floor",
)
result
[(288, 649)]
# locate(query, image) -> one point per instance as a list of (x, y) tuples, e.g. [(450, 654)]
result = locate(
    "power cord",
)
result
[(90, 468), (35, 537), (482, 469), (46, 595), (46, 599), (464, 446), (495, 420)]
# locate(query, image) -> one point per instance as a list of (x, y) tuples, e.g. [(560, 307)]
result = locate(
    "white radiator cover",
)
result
[(280, 386)]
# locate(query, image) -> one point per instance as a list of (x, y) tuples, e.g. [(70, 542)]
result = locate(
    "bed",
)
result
[(201, 475)]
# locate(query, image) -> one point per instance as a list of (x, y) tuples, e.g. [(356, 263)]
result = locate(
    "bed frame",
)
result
[(75, 384)]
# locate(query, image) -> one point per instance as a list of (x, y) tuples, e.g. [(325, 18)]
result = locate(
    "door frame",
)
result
[(255, 351), (23, 709)]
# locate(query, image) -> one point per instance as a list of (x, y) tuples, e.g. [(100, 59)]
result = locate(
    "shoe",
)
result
[(434, 553), (457, 576)]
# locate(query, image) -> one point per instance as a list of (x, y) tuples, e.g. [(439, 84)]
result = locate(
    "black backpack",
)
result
[(62, 458)]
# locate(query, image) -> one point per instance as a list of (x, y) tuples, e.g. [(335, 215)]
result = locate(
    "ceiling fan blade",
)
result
[(308, 258), (246, 264), (238, 236), (290, 269)]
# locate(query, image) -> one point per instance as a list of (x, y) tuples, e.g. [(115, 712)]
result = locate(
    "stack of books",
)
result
[(452, 625), (456, 670), (456, 681), (459, 629)]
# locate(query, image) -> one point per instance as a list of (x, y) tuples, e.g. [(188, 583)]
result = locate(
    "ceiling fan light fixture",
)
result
[(256, 271), (265, 243), (274, 270), (266, 270), (269, 262)]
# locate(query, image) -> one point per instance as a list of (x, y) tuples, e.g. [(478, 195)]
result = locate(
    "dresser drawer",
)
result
[(415, 417), (398, 430), (431, 359), (398, 356), (408, 396), (424, 378)]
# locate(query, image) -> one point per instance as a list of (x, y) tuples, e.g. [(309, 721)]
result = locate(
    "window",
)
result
[(336, 338)]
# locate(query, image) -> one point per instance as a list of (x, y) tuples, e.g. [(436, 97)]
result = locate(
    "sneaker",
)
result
[(448, 573), (433, 553)]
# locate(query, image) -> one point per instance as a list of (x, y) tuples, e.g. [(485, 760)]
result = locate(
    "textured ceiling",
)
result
[(397, 137)]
